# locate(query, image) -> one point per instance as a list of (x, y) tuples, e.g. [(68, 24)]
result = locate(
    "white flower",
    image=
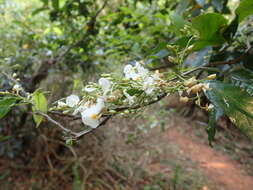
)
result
[(130, 72), (61, 104), (105, 84), (91, 115), (148, 85), (130, 99), (89, 89), (17, 87), (72, 100), (141, 70)]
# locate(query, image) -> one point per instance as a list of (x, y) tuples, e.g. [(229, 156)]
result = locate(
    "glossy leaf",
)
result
[(243, 78), (40, 104), (5, 105), (235, 102), (210, 27)]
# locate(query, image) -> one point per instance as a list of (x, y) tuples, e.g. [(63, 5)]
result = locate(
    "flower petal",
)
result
[(72, 100), (88, 89), (105, 84)]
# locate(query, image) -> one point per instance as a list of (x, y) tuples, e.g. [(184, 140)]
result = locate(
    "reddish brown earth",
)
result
[(218, 168)]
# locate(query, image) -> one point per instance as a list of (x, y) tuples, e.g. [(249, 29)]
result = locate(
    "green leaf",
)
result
[(210, 27), (244, 9), (235, 102), (211, 130), (177, 23), (243, 78), (5, 105), (40, 104), (55, 4)]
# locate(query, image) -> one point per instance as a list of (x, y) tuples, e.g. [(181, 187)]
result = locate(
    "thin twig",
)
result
[(54, 122)]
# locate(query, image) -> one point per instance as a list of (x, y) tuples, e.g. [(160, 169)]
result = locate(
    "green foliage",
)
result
[(70, 40), (233, 101), (243, 78), (210, 27), (5, 105), (40, 104), (245, 9)]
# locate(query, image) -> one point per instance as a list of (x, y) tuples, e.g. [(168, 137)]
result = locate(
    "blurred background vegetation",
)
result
[(60, 45)]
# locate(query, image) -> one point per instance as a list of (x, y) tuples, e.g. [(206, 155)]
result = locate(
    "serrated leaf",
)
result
[(5, 105), (235, 102), (244, 9), (210, 27), (40, 104)]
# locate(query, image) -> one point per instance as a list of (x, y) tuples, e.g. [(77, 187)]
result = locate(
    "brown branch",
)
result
[(213, 64), (230, 62), (68, 131)]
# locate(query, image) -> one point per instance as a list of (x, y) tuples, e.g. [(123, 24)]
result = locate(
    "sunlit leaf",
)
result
[(243, 78), (244, 9), (40, 104), (210, 27), (235, 102)]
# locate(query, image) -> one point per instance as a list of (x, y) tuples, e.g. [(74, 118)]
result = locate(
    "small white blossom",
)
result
[(130, 72), (17, 87), (130, 98), (89, 89), (91, 115), (141, 70), (61, 104), (148, 85), (72, 100)]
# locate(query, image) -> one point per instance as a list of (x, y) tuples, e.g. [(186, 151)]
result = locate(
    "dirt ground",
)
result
[(159, 150)]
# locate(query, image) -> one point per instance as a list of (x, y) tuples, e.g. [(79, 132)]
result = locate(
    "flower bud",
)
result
[(211, 77), (171, 59), (195, 89), (14, 75), (190, 82), (184, 99)]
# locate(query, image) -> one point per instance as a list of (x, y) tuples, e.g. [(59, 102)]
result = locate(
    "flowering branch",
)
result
[(111, 95)]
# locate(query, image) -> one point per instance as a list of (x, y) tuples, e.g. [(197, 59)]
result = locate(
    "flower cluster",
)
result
[(138, 85)]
